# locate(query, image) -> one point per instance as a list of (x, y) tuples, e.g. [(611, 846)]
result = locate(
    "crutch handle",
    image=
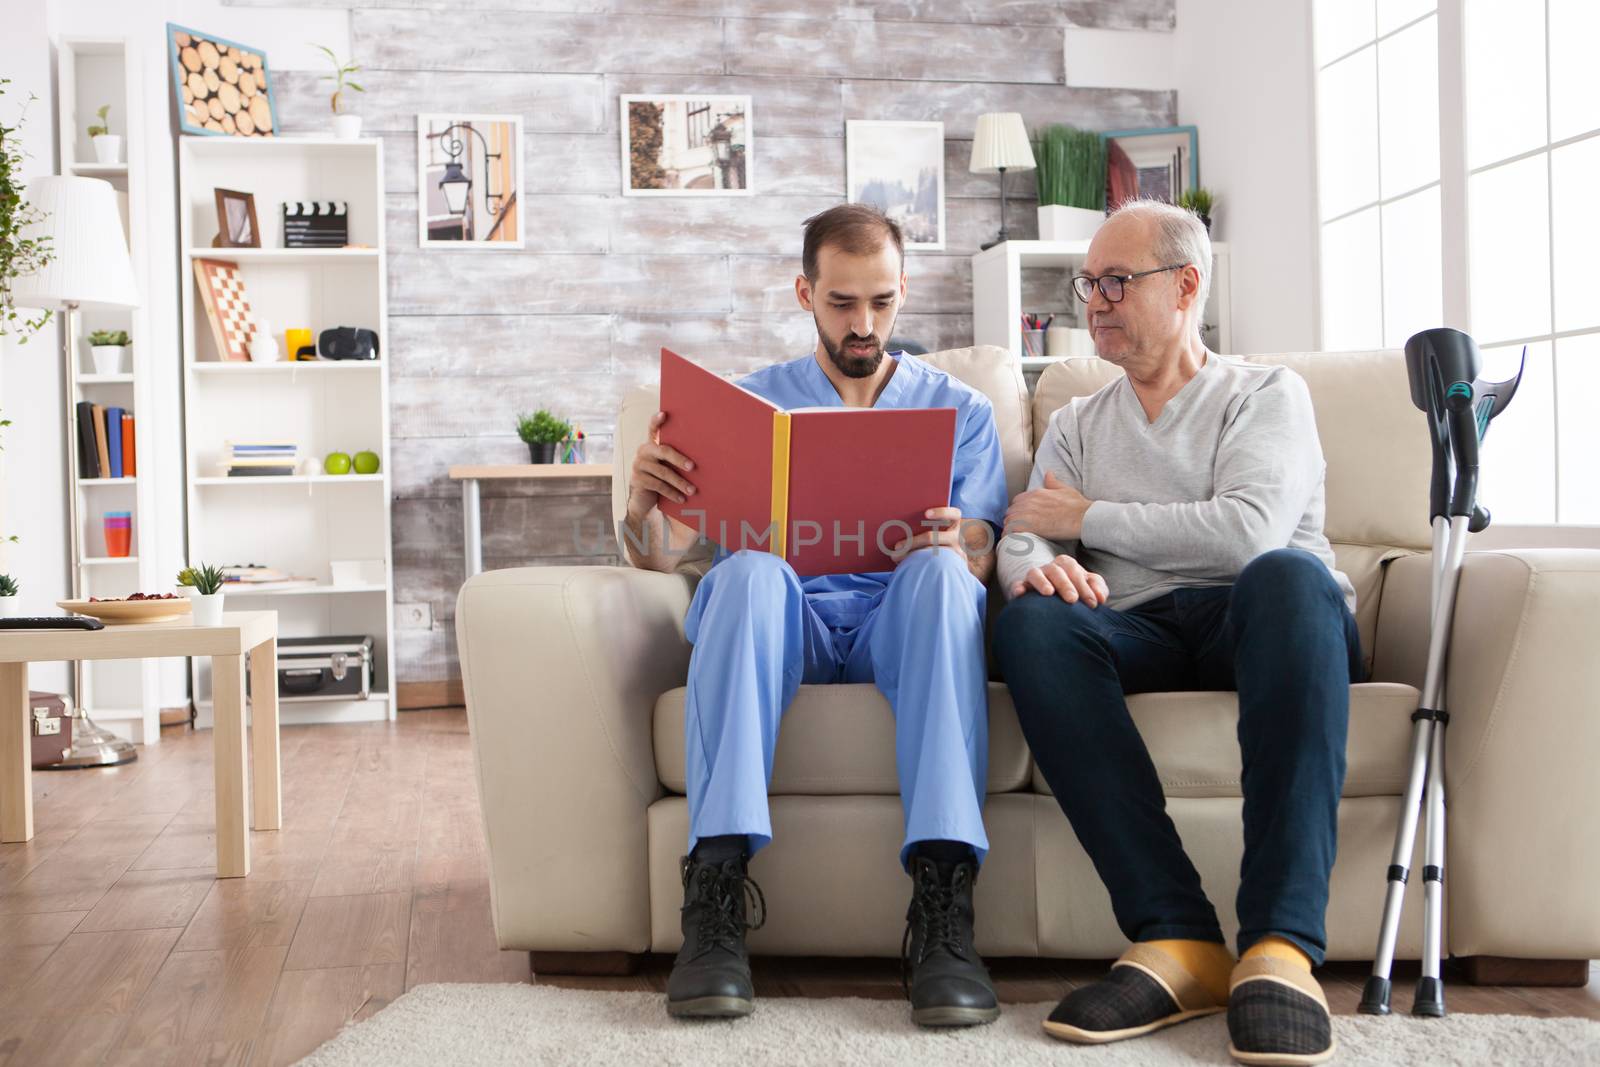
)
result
[(1463, 424)]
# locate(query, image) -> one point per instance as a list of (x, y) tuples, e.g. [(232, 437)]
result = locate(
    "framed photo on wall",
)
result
[(469, 181), (898, 168), (681, 144), (223, 88), (1160, 163)]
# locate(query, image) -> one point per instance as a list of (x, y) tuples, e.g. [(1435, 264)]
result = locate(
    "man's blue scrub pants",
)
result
[(758, 635)]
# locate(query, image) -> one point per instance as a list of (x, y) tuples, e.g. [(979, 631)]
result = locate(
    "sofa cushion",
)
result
[(839, 740), (1193, 739), (991, 370)]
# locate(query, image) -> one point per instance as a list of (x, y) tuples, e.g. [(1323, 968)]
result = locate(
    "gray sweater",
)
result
[(1232, 468)]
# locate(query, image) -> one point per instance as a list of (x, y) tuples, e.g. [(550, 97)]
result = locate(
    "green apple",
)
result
[(366, 463), (337, 463)]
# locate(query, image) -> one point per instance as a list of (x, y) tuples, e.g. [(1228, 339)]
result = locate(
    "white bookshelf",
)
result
[(997, 302), (296, 523), (122, 696)]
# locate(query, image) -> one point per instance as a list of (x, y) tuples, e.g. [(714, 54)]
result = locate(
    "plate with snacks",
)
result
[(139, 607)]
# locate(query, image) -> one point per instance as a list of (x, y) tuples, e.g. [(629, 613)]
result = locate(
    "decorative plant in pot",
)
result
[(206, 581), (19, 255), (110, 350), (107, 145), (1199, 200), (1071, 172), (10, 604), (542, 432), (344, 125)]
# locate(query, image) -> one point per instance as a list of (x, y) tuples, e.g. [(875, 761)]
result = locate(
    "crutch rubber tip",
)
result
[(1429, 1000), (1375, 996)]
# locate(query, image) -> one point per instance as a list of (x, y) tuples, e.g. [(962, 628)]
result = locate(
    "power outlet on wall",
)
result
[(413, 617)]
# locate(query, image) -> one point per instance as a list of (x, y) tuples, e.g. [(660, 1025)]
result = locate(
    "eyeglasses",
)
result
[(1111, 285)]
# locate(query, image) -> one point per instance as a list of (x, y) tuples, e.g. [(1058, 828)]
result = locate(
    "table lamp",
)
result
[(89, 268), (1000, 144)]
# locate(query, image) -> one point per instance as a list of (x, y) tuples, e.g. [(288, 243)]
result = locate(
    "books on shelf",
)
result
[(261, 458), (106, 441), (255, 576)]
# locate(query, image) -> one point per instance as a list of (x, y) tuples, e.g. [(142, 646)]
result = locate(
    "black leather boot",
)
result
[(947, 982), (710, 978)]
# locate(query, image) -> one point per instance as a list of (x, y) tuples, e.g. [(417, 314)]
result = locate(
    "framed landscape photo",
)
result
[(898, 168), (682, 144), (469, 181), (1161, 164), (222, 87)]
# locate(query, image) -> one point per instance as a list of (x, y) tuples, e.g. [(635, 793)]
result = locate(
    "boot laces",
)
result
[(934, 921), (727, 896)]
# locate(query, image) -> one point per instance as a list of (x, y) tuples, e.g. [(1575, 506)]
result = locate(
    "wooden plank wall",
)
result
[(575, 319)]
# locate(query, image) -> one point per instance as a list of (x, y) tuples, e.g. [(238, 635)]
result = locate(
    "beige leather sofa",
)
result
[(574, 694)]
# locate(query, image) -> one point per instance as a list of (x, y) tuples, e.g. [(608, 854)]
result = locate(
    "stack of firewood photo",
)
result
[(224, 88)]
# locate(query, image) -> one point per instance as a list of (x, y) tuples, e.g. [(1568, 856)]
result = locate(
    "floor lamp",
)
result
[(89, 268)]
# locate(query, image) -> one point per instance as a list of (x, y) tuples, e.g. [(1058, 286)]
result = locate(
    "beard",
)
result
[(848, 363)]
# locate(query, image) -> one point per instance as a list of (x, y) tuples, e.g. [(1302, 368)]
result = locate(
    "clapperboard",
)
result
[(315, 224)]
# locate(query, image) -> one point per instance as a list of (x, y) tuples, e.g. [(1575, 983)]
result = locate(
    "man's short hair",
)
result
[(1180, 237), (855, 229)]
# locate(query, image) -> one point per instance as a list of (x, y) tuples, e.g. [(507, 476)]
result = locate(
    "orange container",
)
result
[(119, 533)]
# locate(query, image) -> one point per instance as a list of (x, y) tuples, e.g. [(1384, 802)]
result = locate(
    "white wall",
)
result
[(1242, 69), (34, 502), (33, 465)]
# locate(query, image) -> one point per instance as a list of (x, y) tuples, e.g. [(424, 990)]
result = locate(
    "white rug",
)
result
[(443, 1025)]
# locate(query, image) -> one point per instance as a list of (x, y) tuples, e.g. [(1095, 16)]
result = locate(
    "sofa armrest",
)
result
[(1523, 691), (562, 667)]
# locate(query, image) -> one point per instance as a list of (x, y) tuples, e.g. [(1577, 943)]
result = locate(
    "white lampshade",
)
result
[(89, 263), (1000, 141)]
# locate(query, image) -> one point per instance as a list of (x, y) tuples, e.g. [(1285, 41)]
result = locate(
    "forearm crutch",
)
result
[(1459, 416)]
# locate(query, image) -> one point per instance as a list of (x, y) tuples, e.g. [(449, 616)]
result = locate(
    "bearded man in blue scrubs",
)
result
[(759, 630)]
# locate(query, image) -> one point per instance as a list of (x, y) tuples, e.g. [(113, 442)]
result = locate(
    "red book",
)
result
[(129, 467), (831, 490)]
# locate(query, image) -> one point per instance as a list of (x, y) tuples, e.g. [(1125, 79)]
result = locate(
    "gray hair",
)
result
[(1180, 238)]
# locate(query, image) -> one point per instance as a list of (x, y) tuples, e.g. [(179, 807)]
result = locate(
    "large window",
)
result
[(1509, 193)]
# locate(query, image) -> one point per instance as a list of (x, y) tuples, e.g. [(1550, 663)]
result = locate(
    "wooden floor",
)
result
[(117, 944)]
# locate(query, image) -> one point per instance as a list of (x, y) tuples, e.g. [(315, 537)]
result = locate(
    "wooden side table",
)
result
[(471, 509), (245, 632)]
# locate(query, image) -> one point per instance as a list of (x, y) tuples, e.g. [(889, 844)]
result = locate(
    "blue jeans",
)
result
[(1281, 636)]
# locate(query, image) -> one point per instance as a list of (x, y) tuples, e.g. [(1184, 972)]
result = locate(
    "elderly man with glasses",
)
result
[(1171, 539)]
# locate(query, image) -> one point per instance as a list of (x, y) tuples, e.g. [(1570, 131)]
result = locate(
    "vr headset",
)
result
[(344, 342)]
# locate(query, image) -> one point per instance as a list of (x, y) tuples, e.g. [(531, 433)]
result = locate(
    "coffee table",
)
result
[(252, 633)]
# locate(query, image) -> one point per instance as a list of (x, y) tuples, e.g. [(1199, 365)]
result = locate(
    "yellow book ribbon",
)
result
[(780, 483)]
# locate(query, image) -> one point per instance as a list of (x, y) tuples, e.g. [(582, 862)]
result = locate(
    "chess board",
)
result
[(227, 307)]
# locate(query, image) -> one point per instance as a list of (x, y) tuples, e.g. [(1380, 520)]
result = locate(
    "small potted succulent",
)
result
[(345, 126), (542, 432), (109, 349), (206, 582), (1071, 170), (10, 603), (1199, 200), (107, 145)]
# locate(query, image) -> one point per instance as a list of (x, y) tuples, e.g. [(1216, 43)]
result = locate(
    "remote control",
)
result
[(53, 622)]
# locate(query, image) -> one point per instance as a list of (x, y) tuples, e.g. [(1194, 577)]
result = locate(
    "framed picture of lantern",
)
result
[(469, 181), (222, 87), (682, 144)]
